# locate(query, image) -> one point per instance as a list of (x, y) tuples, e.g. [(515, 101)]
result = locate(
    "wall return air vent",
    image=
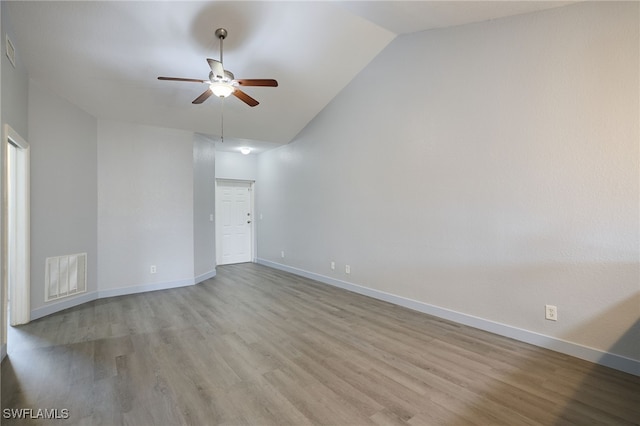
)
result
[(65, 276)]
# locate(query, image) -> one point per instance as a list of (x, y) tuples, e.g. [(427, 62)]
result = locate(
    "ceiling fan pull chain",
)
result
[(222, 122)]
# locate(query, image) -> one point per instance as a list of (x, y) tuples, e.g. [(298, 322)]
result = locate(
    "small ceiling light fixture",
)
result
[(245, 150), (221, 89)]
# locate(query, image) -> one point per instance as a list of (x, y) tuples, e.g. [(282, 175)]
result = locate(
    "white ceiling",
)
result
[(105, 56)]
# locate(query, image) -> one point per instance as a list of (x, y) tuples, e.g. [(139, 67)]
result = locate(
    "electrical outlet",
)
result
[(551, 312), (152, 269), (347, 269), (333, 265), (282, 254)]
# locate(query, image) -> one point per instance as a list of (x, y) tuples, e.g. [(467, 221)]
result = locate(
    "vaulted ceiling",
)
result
[(105, 56)]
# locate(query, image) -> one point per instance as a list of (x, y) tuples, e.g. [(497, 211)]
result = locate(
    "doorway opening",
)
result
[(15, 229), (234, 222)]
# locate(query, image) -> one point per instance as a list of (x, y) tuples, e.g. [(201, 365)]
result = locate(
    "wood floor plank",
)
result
[(257, 346)]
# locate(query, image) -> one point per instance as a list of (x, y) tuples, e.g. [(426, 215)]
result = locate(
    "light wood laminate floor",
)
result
[(258, 346)]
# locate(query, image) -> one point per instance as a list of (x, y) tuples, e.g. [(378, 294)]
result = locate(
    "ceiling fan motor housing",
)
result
[(228, 77)]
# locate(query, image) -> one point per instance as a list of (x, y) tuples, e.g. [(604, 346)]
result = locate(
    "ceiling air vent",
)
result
[(11, 51)]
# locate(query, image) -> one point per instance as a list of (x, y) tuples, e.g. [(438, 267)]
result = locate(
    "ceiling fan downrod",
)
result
[(221, 33)]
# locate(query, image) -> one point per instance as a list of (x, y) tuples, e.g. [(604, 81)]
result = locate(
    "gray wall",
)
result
[(63, 169), (13, 111), (204, 178), (145, 207), (232, 165), (63, 141), (123, 193), (154, 194), (486, 169), (14, 85)]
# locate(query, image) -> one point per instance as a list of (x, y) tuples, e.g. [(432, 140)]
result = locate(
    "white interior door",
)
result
[(234, 222)]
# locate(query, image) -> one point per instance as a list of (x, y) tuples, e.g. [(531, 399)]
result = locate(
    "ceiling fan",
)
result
[(222, 83)]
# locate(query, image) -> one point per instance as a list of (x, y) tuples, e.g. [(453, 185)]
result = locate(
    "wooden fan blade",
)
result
[(205, 95), (193, 80), (245, 98), (268, 82)]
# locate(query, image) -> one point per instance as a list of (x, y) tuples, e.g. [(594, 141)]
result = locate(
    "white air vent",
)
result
[(11, 51), (65, 276)]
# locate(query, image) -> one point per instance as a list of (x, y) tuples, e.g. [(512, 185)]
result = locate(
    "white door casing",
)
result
[(15, 224), (234, 222)]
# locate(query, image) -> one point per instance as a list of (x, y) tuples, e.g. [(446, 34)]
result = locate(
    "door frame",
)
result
[(252, 210), (20, 312)]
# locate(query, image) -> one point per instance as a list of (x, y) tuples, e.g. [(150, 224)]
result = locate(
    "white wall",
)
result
[(232, 165), (485, 170), (204, 244), (145, 207), (63, 142)]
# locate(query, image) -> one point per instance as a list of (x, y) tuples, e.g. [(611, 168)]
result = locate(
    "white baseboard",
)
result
[(596, 356), (205, 276), (123, 291), (71, 302), (60, 305)]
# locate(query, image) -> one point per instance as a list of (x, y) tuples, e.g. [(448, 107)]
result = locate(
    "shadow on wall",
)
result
[(576, 392), (9, 382), (593, 391), (629, 339)]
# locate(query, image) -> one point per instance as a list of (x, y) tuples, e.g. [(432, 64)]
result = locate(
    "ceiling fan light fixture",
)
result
[(222, 83), (221, 90)]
